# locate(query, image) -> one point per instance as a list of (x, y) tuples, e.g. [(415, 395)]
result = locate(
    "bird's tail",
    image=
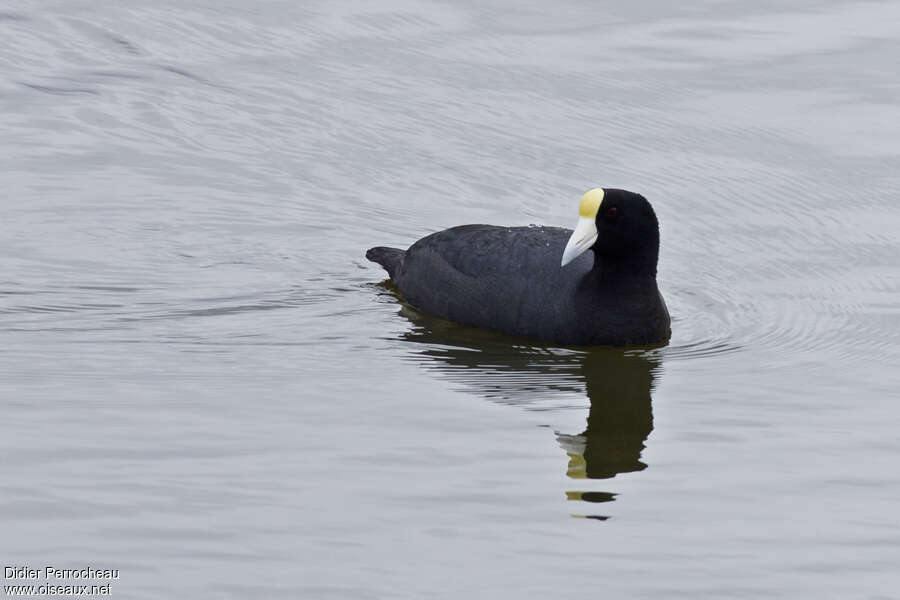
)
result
[(389, 258)]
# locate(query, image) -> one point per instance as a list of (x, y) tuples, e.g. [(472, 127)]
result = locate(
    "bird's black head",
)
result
[(619, 226)]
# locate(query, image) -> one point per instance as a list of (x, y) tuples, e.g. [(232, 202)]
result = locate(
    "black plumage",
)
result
[(509, 279)]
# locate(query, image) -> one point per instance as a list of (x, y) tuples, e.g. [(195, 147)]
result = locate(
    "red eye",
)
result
[(611, 212)]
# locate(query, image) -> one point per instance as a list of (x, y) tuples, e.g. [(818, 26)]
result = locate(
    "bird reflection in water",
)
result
[(618, 383)]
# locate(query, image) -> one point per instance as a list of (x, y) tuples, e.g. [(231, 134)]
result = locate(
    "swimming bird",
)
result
[(595, 285)]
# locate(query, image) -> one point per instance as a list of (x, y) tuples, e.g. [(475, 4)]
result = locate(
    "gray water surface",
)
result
[(204, 384)]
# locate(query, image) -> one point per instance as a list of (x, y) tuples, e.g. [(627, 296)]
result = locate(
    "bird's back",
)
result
[(503, 278)]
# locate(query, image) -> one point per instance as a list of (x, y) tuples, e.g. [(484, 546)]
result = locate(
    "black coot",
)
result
[(540, 282)]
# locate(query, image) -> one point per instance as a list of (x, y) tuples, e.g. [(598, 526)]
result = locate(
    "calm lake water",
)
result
[(205, 385)]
